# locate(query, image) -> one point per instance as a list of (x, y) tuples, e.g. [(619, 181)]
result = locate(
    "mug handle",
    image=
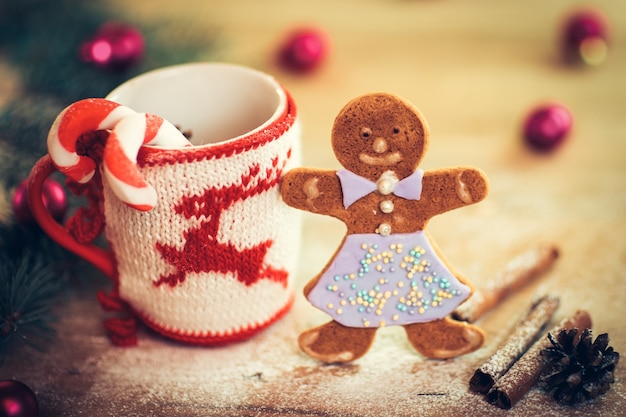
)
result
[(100, 258)]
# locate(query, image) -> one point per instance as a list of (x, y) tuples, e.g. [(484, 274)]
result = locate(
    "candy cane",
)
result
[(129, 131), (78, 118), (120, 156)]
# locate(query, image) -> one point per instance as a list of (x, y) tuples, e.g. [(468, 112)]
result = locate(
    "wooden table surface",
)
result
[(475, 69)]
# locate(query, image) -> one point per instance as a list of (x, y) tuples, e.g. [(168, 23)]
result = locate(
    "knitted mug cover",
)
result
[(211, 263)]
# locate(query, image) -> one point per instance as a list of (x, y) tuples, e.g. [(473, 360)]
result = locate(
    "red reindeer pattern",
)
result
[(202, 251)]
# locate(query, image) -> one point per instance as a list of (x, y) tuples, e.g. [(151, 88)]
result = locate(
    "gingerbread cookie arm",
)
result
[(457, 187), (316, 191)]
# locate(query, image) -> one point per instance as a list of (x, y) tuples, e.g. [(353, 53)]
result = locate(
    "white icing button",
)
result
[(386, 206), (385, 187), (387, 182), (384, 229)]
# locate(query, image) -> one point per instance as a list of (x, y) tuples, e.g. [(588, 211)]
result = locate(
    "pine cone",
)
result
[(576, 371)]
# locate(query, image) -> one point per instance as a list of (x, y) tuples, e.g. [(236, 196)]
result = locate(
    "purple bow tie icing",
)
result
[(355, 187)]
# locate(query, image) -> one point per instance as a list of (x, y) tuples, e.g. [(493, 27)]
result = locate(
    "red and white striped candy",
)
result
[(75, 120), (120, 156), (129, 131)]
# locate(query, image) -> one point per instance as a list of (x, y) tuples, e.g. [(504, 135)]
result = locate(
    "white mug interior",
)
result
[(215, 102)]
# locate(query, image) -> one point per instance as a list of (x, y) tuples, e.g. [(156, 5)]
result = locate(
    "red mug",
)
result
[(212, 262)]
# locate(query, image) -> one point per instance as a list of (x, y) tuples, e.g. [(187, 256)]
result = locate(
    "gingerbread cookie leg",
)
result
[(444, 338), (333, 342)]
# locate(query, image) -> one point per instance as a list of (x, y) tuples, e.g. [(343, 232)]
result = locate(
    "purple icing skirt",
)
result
[(377, 281)]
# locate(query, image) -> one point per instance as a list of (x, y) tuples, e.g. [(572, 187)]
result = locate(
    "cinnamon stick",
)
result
[(524, 373), (516, 274), (526, 331)]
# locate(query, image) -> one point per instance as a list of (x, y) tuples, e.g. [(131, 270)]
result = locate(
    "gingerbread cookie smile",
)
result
[(388, 159), (386, 271)]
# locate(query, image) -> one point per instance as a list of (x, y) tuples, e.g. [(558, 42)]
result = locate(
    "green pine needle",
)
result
[(30, 284)]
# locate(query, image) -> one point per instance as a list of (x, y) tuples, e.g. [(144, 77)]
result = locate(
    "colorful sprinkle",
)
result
[(390, 282)]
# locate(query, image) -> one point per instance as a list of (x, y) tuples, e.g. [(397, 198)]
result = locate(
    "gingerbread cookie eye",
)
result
[(366, 132), (396, 130)]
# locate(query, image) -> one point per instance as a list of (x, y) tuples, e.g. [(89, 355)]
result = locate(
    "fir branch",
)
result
[(29, 286), (24, 126), (41, 39)]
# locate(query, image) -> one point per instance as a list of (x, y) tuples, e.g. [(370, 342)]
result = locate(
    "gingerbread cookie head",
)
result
[(380, 132)]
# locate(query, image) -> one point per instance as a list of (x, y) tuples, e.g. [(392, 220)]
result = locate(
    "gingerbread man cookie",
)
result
[(387, 271)]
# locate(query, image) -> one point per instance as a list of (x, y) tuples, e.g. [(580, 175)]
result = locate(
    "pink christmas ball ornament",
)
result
[(17, 400), (547, 127), (303, 50), (115, 45), (53, 196), (585, 38)]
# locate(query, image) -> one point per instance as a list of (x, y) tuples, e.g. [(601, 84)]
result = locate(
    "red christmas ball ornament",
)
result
[(17, 400), (115, 45), (303, 50), (585, 38), (52, 195), (547, 126)]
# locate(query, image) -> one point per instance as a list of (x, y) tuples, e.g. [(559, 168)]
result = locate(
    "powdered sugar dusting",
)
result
[(526, 331), (269, 376)]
